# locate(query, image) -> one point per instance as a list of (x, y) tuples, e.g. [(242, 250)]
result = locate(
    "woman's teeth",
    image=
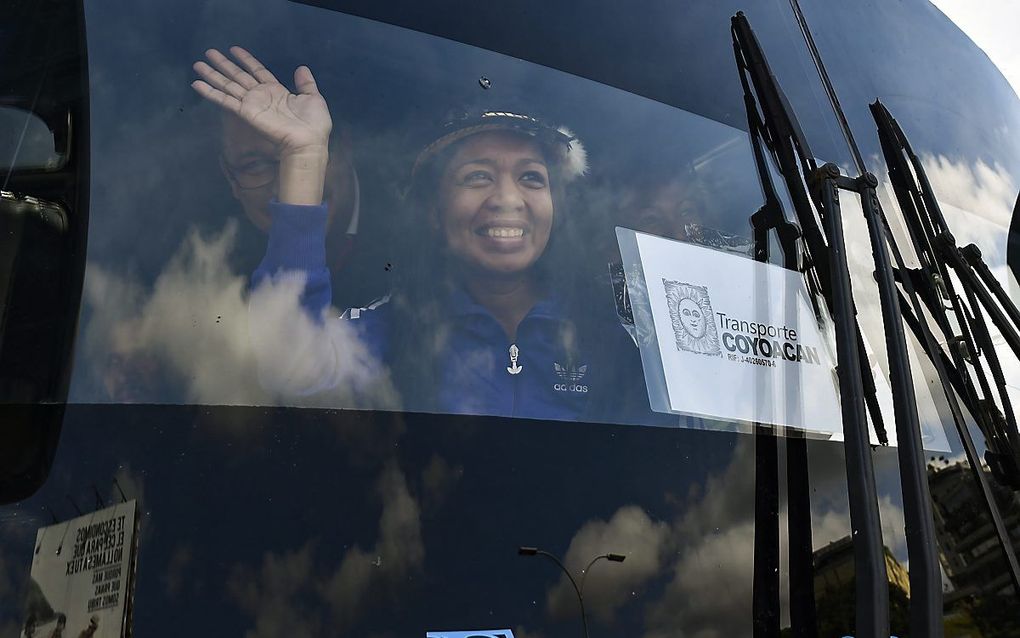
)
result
[(504, 233)]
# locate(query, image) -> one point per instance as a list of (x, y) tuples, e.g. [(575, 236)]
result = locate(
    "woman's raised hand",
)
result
[(298, 123)]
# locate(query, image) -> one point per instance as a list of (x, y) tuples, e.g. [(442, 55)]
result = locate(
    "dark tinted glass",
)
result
[(368, 509), (25, 140)]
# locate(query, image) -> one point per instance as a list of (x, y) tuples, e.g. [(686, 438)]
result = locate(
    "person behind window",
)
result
[(663, 200), (489, 316), (672, 203), (250, 162)]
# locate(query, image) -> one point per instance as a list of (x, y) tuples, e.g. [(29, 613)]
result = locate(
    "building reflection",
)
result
[(834, 589), (979, 599), (834, 569)]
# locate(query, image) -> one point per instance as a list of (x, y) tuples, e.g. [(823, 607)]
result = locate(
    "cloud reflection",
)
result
[(630, 531), (188, 339), (290, 594), (707, 553), (710, 594)]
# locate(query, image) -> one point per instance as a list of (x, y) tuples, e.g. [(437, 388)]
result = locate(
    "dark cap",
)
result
[(568, 152)]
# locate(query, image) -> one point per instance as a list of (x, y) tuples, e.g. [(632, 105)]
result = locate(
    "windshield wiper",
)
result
[(823, 187), (925, 573), (970, 340), (773, 125)]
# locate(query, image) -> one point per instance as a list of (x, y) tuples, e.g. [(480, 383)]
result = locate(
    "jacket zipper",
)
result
[(514, 353)]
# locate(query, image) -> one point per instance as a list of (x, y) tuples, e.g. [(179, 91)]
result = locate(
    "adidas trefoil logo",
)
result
[(570, 376)]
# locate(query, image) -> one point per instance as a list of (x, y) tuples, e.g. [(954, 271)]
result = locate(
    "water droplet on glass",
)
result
[(484, 82)]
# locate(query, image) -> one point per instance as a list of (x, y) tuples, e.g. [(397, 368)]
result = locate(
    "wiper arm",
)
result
[(938, 248), (931, 240), (782, 135), (1004, 453), (789, 150), (972, 342), (766, 584), (925, 575), (972, 255)]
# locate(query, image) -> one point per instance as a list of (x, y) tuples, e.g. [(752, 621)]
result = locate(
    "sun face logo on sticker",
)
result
[(690, 311)]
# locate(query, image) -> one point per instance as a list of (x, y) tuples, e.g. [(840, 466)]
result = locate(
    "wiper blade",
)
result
[(971, 341), (789, 149), (937, 246), (932, 243), (972, 255), (780, 132), (925, 575)]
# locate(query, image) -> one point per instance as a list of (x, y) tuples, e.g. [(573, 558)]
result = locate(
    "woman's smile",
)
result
[(495, 207), (501, 232)]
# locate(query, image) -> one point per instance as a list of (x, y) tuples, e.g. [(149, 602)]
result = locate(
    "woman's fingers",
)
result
[(216, 96), (254, 67), (305, 82), (227, 67), (219, 81)]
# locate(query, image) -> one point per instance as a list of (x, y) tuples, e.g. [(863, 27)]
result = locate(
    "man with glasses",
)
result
[(250, 164)]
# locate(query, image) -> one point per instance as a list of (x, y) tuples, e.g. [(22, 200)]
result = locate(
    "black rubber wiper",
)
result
[(771, 218), (925, 576), (773, 122), (969, 341), (782, 135)]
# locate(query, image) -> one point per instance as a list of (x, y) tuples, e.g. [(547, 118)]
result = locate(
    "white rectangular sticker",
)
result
[(83, 576), (725, 337)]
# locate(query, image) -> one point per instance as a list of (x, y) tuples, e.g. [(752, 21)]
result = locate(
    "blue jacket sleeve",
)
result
[(297, 242)]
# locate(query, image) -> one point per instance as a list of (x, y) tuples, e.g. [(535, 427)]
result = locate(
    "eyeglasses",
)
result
[(253, 174)]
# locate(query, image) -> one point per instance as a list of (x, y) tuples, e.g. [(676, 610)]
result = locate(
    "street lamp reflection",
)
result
[(579, 590)]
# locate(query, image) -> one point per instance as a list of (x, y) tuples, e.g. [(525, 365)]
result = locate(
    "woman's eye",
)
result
[(477, 177), (534, 179)]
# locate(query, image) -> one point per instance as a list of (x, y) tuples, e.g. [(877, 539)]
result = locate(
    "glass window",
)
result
[(433, 279), (297, 349)]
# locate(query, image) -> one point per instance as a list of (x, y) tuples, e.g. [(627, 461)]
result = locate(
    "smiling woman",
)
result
[(495, 209), (479, 306)]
